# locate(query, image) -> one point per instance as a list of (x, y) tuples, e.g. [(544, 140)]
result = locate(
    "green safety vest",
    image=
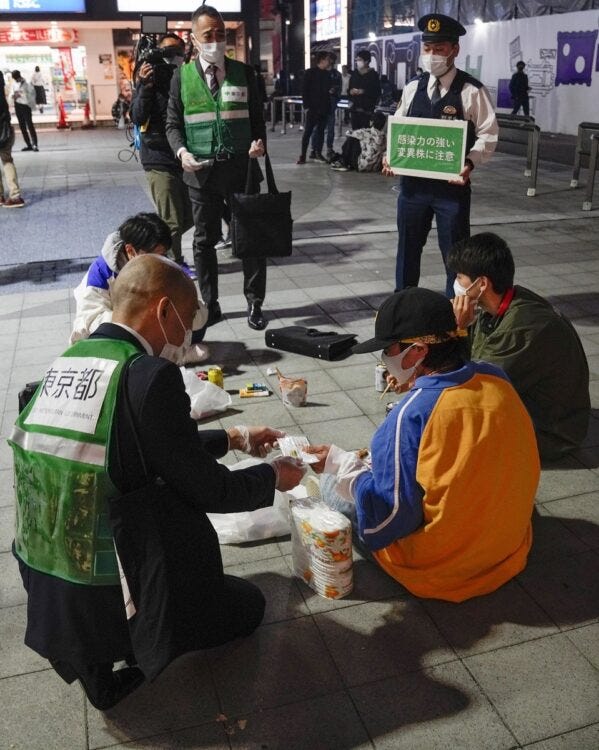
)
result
[(60, 443), (216, 125)]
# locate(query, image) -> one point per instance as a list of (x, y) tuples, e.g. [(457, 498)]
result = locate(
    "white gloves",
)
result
[(347, 467), (190, 163)]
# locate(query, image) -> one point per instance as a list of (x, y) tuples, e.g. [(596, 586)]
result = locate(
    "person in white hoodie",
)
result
[(140, 234)]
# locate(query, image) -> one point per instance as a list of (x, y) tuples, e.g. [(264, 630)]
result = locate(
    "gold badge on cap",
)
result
[(433, 25)]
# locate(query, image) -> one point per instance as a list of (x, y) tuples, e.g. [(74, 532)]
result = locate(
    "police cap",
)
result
[(436, 27)]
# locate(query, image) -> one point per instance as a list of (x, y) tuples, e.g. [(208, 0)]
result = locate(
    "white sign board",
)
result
[(72, 393)]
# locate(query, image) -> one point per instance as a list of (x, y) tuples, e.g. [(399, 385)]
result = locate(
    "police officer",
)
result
[(442, 92), (215, 120)]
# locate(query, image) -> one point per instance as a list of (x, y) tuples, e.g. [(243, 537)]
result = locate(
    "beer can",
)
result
[(379, 378), (215, 375)]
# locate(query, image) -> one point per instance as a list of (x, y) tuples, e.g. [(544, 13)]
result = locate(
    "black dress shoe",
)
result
[(215, 314), (103, 687), (27, 148), (256, 320)]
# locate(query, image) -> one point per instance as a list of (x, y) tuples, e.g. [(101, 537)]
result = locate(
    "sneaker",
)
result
[(2, 200), (312, 154), (339, 167), (331, 156), (320, 157), (35, 148), (187, 270), (223, 243), (14, 203), (301, 160)]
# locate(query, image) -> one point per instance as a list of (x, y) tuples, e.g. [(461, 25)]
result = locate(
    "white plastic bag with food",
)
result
[(252, 526), (206, 398)]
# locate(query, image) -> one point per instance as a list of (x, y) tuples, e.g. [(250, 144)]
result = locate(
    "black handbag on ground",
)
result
[(310, 341), (261, 223)]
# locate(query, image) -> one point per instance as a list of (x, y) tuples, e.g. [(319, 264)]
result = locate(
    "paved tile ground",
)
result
[(379, 669)]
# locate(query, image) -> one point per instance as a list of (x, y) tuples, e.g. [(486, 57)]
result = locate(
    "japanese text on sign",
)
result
[(72, 393), (426, 147)]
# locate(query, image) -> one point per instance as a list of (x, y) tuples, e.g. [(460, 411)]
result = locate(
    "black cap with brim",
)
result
[(436, 27), (410, 314)]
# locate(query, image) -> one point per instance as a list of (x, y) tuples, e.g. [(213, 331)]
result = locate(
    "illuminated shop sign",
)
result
[(42, 6), (174, 6), (328, 19)]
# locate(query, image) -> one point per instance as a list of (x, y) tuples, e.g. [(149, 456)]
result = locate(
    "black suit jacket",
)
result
[(175, 126), (87, 624)]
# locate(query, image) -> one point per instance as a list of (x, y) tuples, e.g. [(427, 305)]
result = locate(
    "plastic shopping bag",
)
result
[(206, 398), (252, 526)]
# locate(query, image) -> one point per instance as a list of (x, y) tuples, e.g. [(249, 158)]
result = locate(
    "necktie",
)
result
[(436, 95), (214, 86)]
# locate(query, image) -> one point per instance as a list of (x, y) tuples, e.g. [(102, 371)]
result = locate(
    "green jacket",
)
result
[(60, 443), (542, 354)]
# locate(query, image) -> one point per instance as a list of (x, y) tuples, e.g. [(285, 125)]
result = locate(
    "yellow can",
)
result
[(215, 375)]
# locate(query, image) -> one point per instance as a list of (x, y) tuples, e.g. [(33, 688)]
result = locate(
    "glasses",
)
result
[(395, 348)]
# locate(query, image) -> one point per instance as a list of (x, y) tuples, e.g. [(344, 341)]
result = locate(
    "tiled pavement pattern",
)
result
[(379, 669)]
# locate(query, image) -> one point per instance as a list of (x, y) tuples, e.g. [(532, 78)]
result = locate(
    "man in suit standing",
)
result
[(215, 120), (108, 433)]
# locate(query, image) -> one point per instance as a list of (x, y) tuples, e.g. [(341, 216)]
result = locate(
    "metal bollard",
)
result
[(587, 204)]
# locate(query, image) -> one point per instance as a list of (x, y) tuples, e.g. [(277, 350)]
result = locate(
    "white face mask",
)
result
[(394, 365), (212, 52), (360, 64), (436, 65), (171, 352), (461, 291)]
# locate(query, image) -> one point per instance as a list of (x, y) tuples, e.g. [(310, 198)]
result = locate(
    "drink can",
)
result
[(215, 375), (379, 378)]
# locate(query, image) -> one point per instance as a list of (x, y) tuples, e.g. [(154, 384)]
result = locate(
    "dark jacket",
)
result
[(519, 85), (149, 105), (371, 84), (541, 353), (87, 624), (175, 127), (315, 91)]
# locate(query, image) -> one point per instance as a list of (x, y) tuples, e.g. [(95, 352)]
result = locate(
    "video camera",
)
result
[(147, 48)]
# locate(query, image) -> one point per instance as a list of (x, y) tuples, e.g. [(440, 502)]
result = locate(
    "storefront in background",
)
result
[(59, 56)]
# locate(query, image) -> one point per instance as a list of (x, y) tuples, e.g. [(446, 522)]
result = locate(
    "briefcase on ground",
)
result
[(261, 223), (310, 341)]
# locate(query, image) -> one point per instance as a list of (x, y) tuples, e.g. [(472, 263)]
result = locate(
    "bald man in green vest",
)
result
[(215, 122)]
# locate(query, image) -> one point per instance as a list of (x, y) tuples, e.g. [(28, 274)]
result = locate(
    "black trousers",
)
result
[(314, 120), (209, 203), (23, 113)]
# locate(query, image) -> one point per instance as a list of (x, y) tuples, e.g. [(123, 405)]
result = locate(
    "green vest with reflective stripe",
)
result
[(60, 443), (216, 125)]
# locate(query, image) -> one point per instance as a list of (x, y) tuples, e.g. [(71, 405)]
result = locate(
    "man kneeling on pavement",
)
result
[(446, 507), (106, 445), (527, 337)]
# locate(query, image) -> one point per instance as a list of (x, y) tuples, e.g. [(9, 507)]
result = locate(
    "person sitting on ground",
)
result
[(524, 334), (106, 455), (363, 149), (139, 234), (446, 507)]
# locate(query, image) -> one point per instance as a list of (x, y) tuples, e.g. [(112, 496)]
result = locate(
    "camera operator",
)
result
[(154, 70)]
